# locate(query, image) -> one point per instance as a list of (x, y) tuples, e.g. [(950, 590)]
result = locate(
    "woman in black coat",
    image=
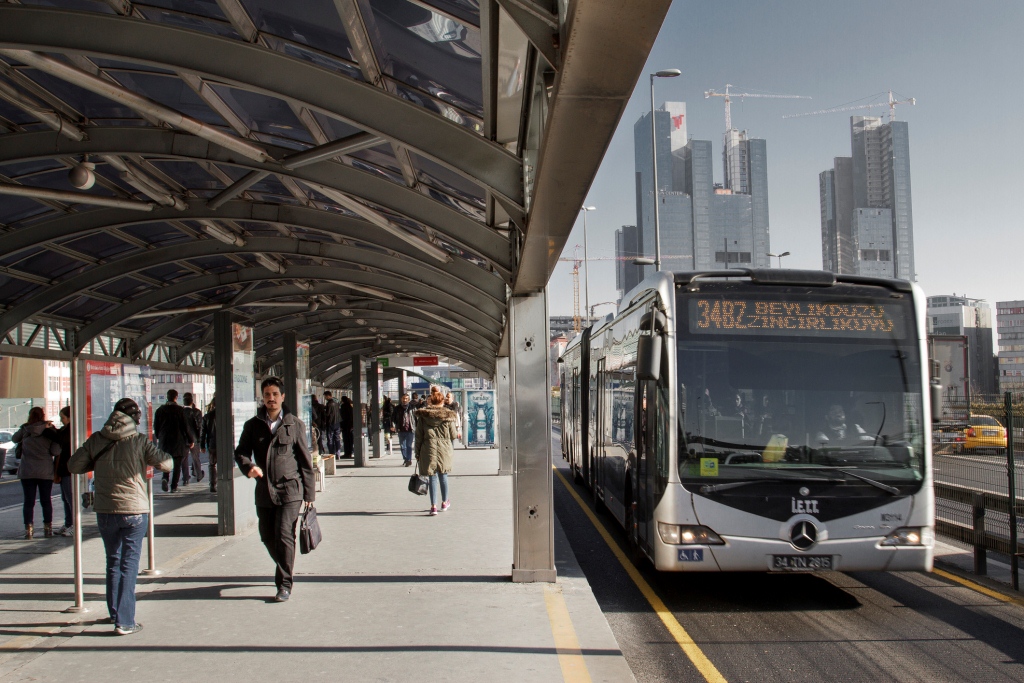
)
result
[(347, 425)]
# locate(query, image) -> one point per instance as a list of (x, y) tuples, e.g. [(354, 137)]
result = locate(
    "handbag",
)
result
[(309, 531), (418, 485)]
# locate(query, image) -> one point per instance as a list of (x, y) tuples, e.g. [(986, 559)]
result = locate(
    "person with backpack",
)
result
[(39, 454), (402, 418), (175, 436), (63, 477), (118, 455)]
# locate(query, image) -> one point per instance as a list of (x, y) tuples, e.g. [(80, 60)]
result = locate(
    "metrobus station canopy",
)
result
[(374, 176)]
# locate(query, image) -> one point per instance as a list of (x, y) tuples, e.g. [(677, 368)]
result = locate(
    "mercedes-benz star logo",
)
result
[(803, 535)]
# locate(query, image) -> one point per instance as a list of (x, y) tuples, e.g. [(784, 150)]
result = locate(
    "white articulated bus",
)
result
[(749, 420)]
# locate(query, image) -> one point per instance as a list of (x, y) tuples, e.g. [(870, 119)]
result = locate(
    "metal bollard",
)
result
[(980, 556), (79, 605), (151, 545)]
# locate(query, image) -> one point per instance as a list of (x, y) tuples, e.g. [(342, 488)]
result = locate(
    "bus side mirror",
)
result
[(936, 396), (648, 357)]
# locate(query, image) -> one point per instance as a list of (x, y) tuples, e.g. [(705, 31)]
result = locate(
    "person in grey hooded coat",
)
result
[(118, 455), (38, 467)]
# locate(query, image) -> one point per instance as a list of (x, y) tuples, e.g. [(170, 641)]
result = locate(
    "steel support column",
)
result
[(358, 379), (503, 414), (533, 556), (78, 437), (236, 506), (290, 374), (373, 413)]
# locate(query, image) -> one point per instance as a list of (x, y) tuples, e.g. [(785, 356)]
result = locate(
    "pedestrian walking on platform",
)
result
[(272, 450), (320, 423), (63, 477), (347, 426), (195, 421), (451, 404), (387, 424), (208, 441), (435, 429), (332, 418), (39, 454), (402, 417), (175, 436), (118, 455)]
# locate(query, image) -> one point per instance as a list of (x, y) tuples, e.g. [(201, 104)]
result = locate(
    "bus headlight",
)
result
[(674, 534), (906, 536)]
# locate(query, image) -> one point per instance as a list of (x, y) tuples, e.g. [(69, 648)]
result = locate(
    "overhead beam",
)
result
[(607, 43), (156, 142), (271, 73)]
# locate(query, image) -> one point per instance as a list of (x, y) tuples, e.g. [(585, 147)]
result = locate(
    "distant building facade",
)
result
[(970, 318), (1010, 324), (867, 223), (703, 226)]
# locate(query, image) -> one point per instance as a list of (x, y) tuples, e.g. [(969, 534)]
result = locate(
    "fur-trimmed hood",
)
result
[(436, 412)]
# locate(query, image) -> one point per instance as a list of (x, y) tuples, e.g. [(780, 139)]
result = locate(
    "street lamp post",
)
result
[(664, 73), (586, 261), (778, 256)]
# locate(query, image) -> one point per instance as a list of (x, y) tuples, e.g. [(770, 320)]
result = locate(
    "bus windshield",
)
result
[(787, 388)]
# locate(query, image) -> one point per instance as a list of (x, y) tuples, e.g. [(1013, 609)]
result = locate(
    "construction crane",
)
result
[(576, 261), (729, 95), (891, 103)]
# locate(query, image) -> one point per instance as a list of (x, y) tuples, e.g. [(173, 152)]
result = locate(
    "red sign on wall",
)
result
[(419, 361)]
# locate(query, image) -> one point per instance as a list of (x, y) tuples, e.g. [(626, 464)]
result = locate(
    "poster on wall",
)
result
[(136, 384), (304, 390), (479, 419), (102, 391), (243, 379)]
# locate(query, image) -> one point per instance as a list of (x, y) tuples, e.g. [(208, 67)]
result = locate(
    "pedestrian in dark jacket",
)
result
[(332, 419), (319, 422), (435, 430), (175, 436), (195, 421), (208, 442), (402, 417), (118, 456), (347, 426), (38, 468), (387, 423), (63, 477), (272, 450)]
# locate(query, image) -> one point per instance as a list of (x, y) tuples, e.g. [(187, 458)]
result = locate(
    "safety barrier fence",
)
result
[(979, 490)]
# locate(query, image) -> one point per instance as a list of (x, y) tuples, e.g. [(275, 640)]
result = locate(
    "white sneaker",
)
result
[(66, 531)]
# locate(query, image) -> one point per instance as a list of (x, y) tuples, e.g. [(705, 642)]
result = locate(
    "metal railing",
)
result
[(977, 482)]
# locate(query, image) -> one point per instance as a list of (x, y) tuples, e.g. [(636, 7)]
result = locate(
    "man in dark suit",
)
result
[(195, 421), (174, 434), (272, 450)]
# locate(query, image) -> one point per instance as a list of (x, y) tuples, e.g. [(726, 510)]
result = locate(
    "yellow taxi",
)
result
[(983, 433)]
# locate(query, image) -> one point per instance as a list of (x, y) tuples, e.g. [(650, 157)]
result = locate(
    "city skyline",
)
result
[(840, 55)]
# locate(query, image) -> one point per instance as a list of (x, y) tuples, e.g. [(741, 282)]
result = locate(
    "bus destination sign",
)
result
[(813, 318)]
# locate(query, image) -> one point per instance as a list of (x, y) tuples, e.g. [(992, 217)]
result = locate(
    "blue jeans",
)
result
[(405, 440), (122, 538), (433, 488)]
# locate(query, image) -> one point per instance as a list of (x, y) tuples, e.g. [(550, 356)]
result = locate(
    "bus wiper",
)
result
[(885, 487), (715, 488)]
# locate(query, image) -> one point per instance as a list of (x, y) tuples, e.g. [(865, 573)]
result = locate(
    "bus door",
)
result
[(644, 457), (597, 466)]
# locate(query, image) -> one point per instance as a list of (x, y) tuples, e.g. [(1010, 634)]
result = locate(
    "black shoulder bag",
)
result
[(309, 531)]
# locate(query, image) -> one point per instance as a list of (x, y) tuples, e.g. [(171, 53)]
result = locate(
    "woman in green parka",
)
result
[(435, 429)]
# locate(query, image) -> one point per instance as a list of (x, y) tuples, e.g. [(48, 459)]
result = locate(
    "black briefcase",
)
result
[(418, 485), (309, 531)]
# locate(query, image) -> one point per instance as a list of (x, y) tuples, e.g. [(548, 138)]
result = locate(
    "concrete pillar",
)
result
[(236, 505), (534, 540), (290, 374), (358, 392), (373, 429), (503, 414), (401, 384)]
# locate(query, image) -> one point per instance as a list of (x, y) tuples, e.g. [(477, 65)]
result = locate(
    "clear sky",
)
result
[(962, 62)]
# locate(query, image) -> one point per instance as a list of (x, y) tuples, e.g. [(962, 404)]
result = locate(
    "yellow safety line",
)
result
[(1001, 597), (570, 656), (690, 648)]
